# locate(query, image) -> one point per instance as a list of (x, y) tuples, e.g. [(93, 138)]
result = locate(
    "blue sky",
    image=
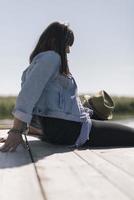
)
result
[(102, 56)]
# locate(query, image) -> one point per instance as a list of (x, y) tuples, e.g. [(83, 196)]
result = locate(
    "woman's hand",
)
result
[(12, 141)]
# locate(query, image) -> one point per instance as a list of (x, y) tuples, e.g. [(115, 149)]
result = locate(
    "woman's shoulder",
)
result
[(49, 54)]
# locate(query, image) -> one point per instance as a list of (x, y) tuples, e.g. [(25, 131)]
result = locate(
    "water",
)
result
[(127, 122), (7, 123)]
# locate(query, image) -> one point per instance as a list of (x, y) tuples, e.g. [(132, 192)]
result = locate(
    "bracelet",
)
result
[(18, 131)]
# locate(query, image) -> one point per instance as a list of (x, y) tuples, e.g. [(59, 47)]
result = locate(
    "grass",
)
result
[(124, 106), (6, 106)]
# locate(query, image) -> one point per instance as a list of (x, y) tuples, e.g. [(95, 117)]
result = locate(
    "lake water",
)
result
[(128, 122)]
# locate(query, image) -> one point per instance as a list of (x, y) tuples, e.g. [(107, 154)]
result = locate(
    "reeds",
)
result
[(124, 106)]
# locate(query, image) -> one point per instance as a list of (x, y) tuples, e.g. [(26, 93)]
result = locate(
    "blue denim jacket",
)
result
[(45, 92)]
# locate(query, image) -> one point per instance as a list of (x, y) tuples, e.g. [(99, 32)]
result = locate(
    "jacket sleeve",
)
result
[(42, 68)]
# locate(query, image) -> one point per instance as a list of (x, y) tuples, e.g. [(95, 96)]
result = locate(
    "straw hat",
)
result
[(101, 103)]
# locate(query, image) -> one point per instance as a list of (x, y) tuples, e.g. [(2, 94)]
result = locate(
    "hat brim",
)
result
[(101, 116)]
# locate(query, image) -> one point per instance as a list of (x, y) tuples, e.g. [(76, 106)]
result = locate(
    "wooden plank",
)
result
[(118, 177), (18, 179), (64, 175), (122, 158)]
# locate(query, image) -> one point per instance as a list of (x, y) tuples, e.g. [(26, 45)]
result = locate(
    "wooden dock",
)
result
[(53, 172)]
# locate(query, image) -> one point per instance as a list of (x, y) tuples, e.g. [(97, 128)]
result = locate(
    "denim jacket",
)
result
[(46, 92)]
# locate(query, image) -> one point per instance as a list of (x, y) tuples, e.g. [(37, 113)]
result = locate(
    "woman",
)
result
[(49, 91)]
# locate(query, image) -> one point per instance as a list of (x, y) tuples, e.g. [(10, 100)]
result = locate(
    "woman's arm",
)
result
[(14, 139), (44, 66), (18, 124)]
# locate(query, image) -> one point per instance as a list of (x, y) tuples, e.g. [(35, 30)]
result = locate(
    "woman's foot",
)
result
[(35, 131)]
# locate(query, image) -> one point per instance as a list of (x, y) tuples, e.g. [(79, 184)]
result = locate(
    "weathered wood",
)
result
[(113, 173), (60, 172), (122, 158), (65, 175), (18, 179)]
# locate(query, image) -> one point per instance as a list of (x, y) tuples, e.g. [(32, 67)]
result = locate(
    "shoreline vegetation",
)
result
[(124, 107)]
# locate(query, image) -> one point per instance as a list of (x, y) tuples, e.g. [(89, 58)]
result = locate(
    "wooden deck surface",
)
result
[(53, 172)]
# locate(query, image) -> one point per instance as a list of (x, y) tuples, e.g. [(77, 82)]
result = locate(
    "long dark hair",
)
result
[(57, 37)]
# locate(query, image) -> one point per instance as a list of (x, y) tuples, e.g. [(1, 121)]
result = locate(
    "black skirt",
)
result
[(60, 131)]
